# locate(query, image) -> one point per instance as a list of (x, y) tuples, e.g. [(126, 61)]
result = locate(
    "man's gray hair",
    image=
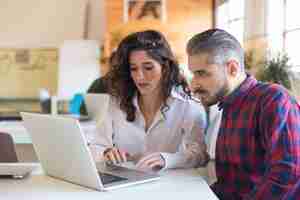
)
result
[(219, 44)]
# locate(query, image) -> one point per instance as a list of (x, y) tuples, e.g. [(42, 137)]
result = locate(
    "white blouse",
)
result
[(178, 134)]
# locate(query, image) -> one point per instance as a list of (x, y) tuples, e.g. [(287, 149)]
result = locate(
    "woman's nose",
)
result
[(139, 75)]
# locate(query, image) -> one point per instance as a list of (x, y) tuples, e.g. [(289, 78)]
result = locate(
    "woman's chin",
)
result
[(145, 92)]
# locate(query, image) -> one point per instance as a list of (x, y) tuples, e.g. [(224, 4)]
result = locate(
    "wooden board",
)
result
[(23, 72)]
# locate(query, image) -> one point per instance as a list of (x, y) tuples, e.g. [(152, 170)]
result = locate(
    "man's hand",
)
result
[(115, 156), (151, 162)]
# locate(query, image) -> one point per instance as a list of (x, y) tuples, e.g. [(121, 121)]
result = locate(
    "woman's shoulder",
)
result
[(113, 103), (179, 94), (114, 109), (190, 105)]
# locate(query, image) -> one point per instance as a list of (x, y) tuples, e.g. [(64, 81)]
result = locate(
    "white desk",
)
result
[(173, 185)]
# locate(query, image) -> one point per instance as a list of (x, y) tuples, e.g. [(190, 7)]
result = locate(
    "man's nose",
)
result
[(195, 84)]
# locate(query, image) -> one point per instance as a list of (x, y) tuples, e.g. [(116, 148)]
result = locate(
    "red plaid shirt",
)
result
[(258, 146)]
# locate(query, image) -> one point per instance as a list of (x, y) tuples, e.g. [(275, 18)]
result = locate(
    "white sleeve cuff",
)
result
[(172, 160)]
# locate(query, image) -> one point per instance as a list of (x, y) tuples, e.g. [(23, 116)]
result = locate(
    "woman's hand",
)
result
[(152, 162), (115, 156)]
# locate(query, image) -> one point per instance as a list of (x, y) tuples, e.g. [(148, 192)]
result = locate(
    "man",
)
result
[(258, 145)]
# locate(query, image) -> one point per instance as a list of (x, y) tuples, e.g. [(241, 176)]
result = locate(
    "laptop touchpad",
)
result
[(109, 178)]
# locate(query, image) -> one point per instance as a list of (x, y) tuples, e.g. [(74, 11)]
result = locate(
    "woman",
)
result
[(152, 119)]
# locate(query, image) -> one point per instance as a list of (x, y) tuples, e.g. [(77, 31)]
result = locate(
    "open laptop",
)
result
[(10, 167), (16, 170), (96, 104), (62, 149)]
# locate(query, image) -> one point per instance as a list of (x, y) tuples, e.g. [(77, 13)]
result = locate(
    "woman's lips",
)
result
[(143, 85)]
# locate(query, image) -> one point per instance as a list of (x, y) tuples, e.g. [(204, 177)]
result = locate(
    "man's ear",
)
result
[(233, 67)]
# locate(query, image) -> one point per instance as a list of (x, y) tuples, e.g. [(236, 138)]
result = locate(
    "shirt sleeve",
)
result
[(192, 151), (103, 137), (279, 125)]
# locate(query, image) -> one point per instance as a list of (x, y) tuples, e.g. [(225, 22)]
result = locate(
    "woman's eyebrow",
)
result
[(147, 62)]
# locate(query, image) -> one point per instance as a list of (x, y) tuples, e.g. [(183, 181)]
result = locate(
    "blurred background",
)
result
[(61, 46)]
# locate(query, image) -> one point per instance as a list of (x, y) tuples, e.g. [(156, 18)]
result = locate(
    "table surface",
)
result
[(174, 184)]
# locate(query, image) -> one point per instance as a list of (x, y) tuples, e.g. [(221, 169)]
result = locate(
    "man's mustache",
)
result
[(199, 91)]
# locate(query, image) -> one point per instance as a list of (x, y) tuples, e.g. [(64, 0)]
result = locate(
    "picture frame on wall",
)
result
[(144, 9)]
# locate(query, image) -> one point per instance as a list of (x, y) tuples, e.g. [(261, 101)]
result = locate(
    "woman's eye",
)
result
[(149, 67), (132, 69)]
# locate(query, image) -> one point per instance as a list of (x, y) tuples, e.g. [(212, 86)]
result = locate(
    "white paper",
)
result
[(78, 67)]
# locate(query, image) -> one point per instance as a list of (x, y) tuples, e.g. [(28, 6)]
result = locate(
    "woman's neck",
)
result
[(150, 103), (149, 106)]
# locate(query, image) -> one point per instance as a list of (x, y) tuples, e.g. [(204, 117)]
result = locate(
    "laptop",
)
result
[(62, 149), (96, 104), (16, 170)]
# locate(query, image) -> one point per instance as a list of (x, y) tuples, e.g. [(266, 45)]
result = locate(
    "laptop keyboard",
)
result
[(109, 178)]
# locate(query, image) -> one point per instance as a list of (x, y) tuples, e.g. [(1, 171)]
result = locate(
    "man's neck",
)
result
[(237, 82)]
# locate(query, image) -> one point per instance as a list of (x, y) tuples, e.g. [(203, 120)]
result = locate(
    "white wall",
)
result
[(96, 20), (46, 23), (255, 19)]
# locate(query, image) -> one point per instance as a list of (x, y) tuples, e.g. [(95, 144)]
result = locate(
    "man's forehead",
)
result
[(199, 58)]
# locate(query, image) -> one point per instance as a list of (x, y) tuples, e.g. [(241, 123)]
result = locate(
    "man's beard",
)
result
[(214, 98), (222, 93)]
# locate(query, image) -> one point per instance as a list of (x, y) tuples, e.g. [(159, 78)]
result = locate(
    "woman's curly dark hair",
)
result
[(121, 83)]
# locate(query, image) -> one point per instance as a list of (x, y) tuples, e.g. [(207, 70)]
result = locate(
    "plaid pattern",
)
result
[(258, 147)]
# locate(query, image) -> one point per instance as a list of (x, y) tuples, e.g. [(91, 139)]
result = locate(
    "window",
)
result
[(230, 16), (284, 29), (291, 32)]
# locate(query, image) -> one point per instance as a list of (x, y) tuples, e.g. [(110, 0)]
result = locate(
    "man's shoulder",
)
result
[(265, 92), (265, 89)]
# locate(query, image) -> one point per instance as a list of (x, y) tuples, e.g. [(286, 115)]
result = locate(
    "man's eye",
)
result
[(132, 69), (199, 73)]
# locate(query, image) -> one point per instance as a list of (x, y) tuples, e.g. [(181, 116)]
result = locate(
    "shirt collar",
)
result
[(176, 93), (239, 92)]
